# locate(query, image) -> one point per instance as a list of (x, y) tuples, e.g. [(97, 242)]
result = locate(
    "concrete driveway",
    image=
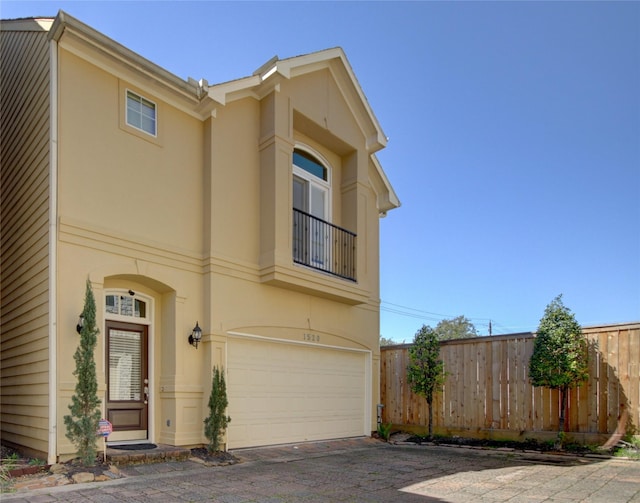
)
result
[(366, 470)]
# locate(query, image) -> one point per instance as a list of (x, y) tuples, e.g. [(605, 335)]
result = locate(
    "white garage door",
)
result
[(282, 393)]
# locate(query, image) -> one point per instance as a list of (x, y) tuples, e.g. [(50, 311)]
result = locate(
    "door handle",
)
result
[(146, 391)]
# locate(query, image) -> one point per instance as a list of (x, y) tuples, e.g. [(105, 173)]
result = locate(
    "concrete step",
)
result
[(160, 454)]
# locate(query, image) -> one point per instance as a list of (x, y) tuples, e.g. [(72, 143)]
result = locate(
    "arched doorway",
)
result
[(127, 338)]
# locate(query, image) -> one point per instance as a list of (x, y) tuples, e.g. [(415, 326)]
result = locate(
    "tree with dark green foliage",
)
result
[(425, 372), (82, 423), (456, 328), (216, 424), (560, 354), (386, 342)]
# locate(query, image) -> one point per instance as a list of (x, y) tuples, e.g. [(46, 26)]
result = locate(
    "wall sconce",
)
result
[(195, 335), (80, 324)]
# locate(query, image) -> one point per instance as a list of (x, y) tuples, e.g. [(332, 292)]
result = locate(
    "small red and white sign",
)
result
[(104, 428)]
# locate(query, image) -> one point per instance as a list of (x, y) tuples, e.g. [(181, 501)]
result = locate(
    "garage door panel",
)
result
[(281, 393)]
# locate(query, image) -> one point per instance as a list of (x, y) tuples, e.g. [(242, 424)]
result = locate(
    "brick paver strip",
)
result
[(365, 470)]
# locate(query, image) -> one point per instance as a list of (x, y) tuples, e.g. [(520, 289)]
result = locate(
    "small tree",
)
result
[(455, 328), (216, 424), (386, 342), (82, 423), (560, 357), (425, 372)]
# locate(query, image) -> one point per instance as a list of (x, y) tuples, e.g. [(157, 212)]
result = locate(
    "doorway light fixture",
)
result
[(80, 323), (195, 335)]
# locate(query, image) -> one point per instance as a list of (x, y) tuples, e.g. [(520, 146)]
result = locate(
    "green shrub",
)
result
[(384, 431), (216, 424), (82, 423)]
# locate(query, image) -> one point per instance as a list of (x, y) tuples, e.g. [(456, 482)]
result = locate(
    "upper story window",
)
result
[(141, 113), (310, 185), (122, 305), (308, 163), (317, 243)]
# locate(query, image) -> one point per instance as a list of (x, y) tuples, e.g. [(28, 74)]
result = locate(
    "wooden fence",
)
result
[(487, 393)]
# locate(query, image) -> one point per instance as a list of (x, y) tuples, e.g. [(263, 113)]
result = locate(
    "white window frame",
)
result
[(312, 181), (125, 318), (147, 320), (141, 98)]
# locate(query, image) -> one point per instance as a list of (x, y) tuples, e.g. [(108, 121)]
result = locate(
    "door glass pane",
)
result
[(112, 304), (126, 306), (318, 202), (299, 194), (318, 229), (125, 362), (141, 309), (299, 220)]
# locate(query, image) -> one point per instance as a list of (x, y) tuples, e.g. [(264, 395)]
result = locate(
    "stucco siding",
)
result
[(193, 216), (113, 179), (24, 179)]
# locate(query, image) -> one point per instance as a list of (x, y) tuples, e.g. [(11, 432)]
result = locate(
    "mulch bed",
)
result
[(218, 458), (64, 473), (527, 444)]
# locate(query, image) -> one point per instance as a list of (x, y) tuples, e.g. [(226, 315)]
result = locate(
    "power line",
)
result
[(440, 316), (409, 315), (492, 326)]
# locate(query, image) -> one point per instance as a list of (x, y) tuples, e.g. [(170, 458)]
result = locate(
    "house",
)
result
[(248, 209)]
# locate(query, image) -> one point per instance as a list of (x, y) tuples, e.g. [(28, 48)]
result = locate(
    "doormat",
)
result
[(133, 447)]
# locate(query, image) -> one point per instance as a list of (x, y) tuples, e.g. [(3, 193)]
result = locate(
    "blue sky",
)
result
[(514, 138)]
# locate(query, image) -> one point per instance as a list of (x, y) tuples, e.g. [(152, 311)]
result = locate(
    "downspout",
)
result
[(52, 453)]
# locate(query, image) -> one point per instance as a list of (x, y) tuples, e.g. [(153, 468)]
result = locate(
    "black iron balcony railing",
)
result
[(323, 246)]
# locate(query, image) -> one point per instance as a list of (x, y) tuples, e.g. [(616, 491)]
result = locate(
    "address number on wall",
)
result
[(311, 338)]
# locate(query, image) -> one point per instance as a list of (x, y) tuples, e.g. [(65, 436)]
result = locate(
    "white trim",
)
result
[(312, 179), (322, 159), (299, 343), (126, 112), (121, 292), (148, 322), (368, 393), (368, 366), (52, 450)]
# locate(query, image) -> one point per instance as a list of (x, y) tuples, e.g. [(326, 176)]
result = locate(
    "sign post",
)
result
[(104, 429)]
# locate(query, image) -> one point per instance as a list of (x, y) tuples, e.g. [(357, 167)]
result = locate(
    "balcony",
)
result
[(323, 246)]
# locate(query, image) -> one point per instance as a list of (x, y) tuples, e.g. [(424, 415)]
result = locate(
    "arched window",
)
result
[(311, 188), (311, 208), (125, 305)]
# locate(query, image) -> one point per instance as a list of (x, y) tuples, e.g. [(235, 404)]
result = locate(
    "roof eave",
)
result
[(267, 76), (64, 22), (387, 199)]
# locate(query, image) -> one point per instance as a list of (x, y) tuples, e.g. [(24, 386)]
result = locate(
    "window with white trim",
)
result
[(141, 113), (310, 185), (122, 305), (311, 203)]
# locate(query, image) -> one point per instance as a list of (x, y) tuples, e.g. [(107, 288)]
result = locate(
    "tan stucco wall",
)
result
[(181, 219), (115, 179), (132, 207)]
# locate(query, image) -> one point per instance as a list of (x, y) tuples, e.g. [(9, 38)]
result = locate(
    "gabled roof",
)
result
[(264, 79), (199, 97), (260, 83)]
